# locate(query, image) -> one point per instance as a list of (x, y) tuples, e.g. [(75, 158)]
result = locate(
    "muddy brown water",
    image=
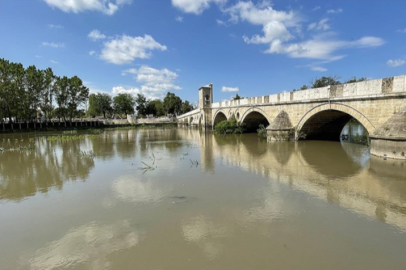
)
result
[(182, 199)]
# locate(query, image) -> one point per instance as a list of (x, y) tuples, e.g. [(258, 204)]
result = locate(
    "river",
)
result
[(183, 199)]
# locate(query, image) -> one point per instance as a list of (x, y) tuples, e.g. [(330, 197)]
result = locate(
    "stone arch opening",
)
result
[(220, 116), (206, 100), (190, 120), (327, 125), (253, 120)]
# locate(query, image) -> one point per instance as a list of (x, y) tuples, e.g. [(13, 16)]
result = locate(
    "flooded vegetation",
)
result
[(184, 199)]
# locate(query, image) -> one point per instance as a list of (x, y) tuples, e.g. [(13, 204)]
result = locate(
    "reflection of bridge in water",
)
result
[(342, 174)]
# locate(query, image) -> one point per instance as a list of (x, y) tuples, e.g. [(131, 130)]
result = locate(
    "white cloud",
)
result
[(179, 19), (108, 7), (155, 82), (321, 25), (53, 44), (124, 49), (220, 22), (38, 56), (247, 11), (195, 6), (273, 30), (54, 62), (92, 53), (96, 90), (338, 10), (55, 26), (316, 8), (229, 89), (320, 47), (279, 28), (264, 3), (129, 90), (275, 24), (96, 35), (402, 30), (321, 69), (395, 63)]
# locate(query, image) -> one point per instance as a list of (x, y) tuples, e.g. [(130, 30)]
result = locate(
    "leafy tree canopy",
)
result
[(186, 107), (172, 103), (325, 81), (237, 97), (354, 79), (124, 103)]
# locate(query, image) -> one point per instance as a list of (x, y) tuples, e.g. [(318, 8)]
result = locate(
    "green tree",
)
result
[(18, 90), (12, 88), (155, 107), (354, 79), (34, 83), (104, 103), (186, 107), (124, 103), (61, 95), (142, 104), (47, 93), (6, 89), (77, 95), (325, 81), (237, 97), (172, 103), (92, 109)]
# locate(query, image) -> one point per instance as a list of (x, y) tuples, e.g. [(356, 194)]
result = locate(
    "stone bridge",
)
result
[(317, 114)]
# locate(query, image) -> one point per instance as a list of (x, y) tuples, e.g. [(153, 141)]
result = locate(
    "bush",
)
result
[(229, 127), (262, 131)]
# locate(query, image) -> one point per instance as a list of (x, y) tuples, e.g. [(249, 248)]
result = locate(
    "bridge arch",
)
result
[(218, 117), (254, 117), (326, 121)]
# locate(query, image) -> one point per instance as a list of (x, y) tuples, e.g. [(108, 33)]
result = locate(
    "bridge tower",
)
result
[(205, 101), (206, 96)]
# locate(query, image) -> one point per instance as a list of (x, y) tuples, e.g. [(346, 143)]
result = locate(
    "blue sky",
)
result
[(251, 48)]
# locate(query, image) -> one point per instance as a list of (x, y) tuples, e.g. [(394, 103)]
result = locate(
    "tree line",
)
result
[(29, 93), (26, 93), (125, 103)]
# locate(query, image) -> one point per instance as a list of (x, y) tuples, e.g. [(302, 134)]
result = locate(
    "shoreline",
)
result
[(89, 128)]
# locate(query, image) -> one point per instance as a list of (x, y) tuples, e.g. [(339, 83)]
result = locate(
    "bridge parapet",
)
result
[(369, 88), (185, 115)]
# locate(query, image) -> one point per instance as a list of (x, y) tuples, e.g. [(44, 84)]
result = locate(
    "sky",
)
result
[(249, 48)]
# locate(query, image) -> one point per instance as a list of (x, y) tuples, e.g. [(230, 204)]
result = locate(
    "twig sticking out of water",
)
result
[(87, 154), (193, 163), (147, 167), (152, 159)]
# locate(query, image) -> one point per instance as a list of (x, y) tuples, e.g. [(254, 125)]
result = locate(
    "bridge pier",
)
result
[(281, 128), (389, 141)]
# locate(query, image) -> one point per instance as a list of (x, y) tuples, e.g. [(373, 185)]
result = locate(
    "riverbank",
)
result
[(99, 126)]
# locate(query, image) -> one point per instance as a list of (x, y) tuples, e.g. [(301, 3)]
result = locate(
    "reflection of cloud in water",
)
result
[(272, 208), (134, 190), (204, 233), (89, 244)]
